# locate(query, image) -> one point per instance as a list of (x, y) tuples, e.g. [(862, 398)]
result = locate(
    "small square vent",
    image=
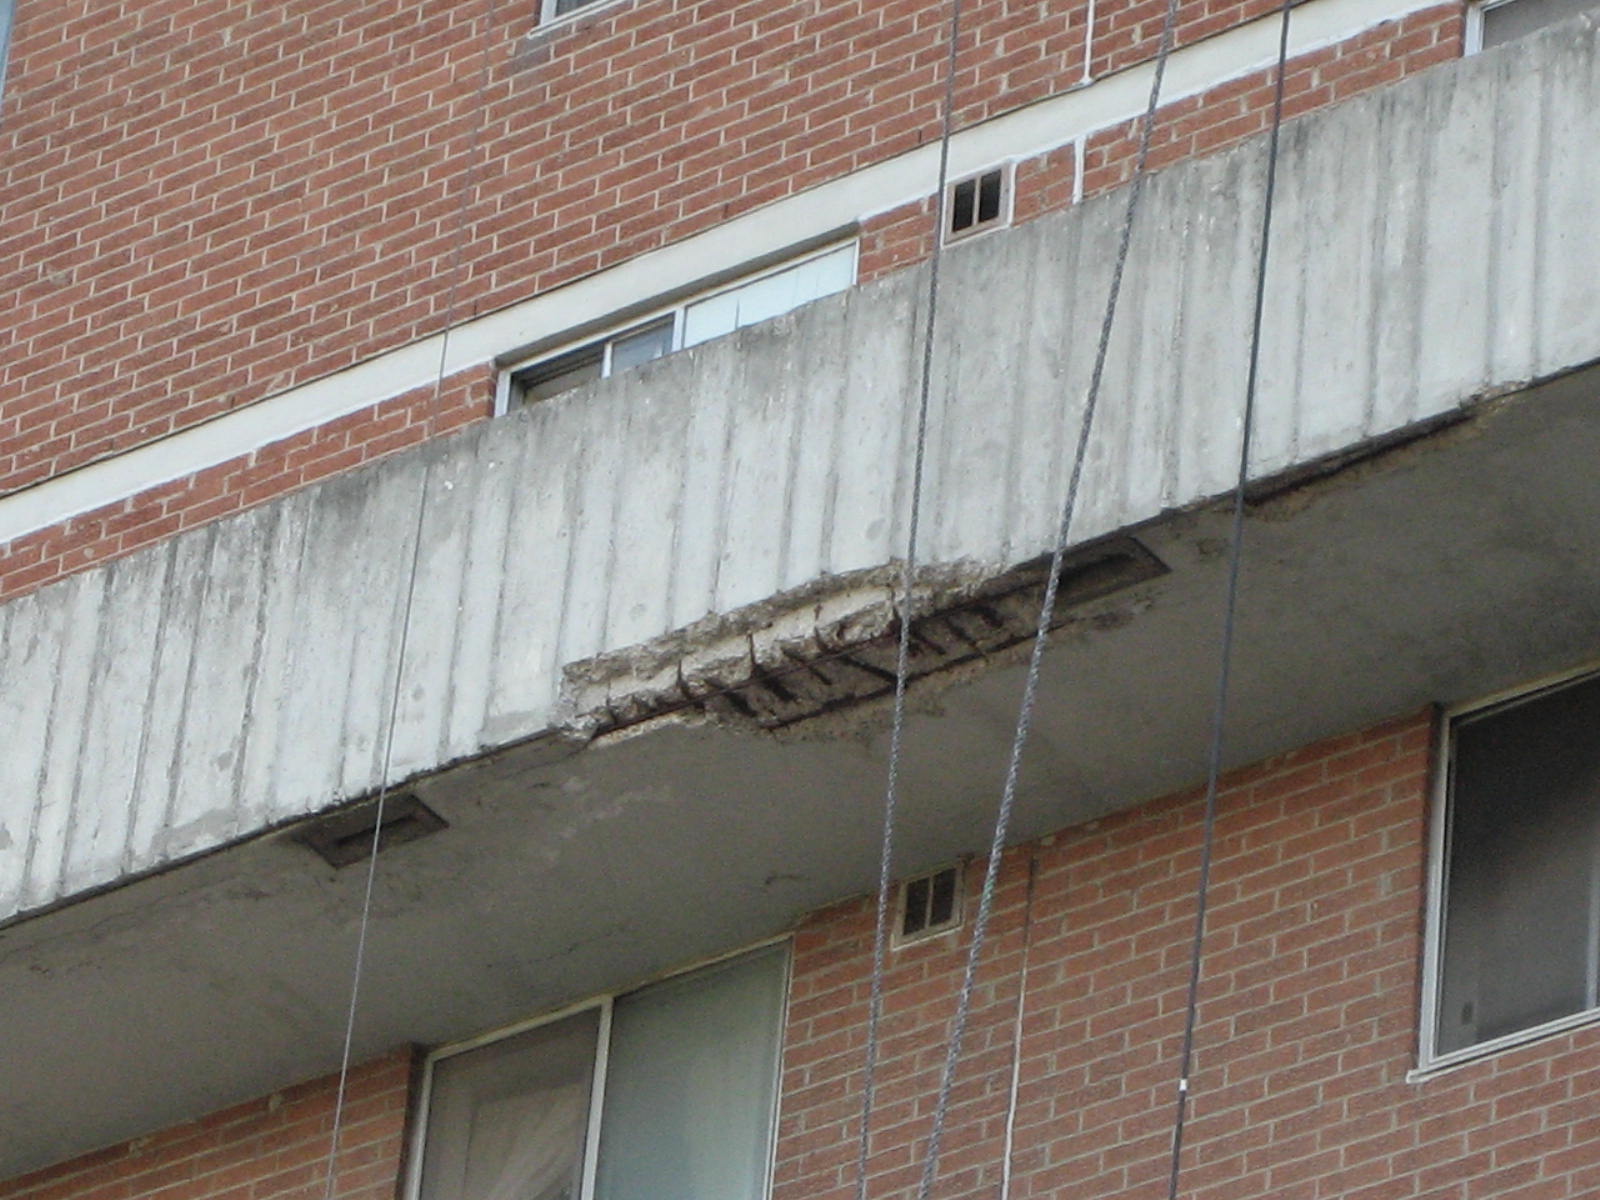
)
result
[(344, 838), (930, 904), (977, 203)]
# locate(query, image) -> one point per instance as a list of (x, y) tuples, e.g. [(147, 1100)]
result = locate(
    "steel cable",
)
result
[(468, 190), (1008, 795), (1219, 711)]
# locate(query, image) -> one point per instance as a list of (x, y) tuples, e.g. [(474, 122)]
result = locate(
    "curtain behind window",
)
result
[(507, 1121), (691, 1084)]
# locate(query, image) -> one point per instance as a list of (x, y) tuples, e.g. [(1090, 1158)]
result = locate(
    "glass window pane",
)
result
[(558, 374), (989, 196), (1520, 932), (690, 1084), (1507, 22), (916, 906), (641, 345), (942, 902), (507, 1121), (962, 205), (5, 41)]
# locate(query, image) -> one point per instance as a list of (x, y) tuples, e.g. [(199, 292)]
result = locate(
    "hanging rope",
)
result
[(1219, 710), (1008, 796), (1016, 1029), (908, 567), (468, 191)]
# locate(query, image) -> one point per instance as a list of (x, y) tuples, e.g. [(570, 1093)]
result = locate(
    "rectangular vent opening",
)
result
[(1103, 568), (345, 838), (978, 202), (930, 904)]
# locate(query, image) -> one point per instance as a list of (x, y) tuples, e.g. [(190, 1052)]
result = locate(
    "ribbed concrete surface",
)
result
[(1432, 241)]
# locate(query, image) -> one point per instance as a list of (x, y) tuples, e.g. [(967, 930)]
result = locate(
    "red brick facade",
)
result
[(1307, 1030), (1307, 1022), (275, 1148), (204, 203)]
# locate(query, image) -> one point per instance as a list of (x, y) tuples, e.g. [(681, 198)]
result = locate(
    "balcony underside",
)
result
[(1439, 569)]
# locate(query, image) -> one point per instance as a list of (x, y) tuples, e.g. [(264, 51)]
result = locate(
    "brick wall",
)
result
[(1307, 1023), (205, 202), (275, 1148)]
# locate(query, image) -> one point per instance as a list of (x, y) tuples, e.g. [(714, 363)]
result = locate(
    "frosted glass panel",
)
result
[(711, 318), (507, 1121), (691, 1083), (770, 296)]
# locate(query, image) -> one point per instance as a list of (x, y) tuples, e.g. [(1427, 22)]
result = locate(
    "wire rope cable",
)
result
[(358, 965), (1219, 709), (1008, 796), (908, 568), (1007, 1152)]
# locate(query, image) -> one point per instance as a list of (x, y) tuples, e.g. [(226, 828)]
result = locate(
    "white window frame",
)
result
[(548, 17), (1472, 34), (417, 1139), (609, 333), (1428, 1062), (8, 15)]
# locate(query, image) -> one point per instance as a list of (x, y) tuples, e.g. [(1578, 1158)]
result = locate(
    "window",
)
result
[(666, 1091), (930, 904), (1499, 21), (978, 203), (1516, 914), (757, 297), (554, 10), (5, 41)]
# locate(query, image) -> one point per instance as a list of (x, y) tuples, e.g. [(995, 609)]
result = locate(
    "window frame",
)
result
[(1429, 1062), (549, 18), (416, 1137), (1472, 30), (8, 17), (637, 320)]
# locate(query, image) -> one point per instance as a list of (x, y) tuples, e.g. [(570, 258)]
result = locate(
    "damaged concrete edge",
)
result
[(696, 674), (779, 666), (834, 644)]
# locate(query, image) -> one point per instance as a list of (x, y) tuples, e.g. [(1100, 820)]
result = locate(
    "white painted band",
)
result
[(757, 235)]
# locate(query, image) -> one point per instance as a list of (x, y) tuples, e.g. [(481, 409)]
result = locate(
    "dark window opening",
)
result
[(931, 903), (560, 374), (977, 202), (1521, 904)]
